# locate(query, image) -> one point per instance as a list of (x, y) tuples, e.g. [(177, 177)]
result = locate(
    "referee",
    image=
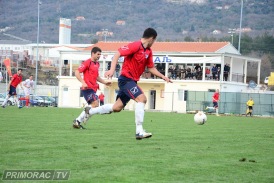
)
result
[(249, 104)]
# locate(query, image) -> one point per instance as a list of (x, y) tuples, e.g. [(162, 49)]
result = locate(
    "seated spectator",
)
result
[(207, 73), (193, 73), (170, 71), (197, 67), (173, 72), (177, 70), (182, 72), (189, 73), (199, 74)]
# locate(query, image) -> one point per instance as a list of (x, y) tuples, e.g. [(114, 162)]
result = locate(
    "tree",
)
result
[(192, 29), (94, 41), (266, 65), (188, 39)]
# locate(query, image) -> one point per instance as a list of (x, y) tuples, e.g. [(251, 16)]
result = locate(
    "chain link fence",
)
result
[(232, 103)]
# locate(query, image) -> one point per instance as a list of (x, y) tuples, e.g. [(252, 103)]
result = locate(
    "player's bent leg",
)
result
[(5, 101), (17, 102), (83, 117), (118, 105), (105, 109)]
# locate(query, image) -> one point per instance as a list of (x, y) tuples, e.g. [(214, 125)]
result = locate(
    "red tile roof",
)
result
[(197, 47), (67, 46)]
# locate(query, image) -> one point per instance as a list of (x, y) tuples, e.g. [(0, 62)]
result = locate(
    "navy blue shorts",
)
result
[(12, 90), (89, 95), (215, 104), (128, 89)]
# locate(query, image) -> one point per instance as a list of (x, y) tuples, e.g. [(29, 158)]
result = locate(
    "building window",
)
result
[(180, 95)]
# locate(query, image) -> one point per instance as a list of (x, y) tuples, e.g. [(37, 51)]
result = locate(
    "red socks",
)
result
[(27, 102)]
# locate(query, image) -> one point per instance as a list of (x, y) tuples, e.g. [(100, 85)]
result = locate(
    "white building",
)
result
[(161, 95)]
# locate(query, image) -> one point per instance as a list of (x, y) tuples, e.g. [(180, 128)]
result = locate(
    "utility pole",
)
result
[(37, 47), (231, 32), (240, 33)]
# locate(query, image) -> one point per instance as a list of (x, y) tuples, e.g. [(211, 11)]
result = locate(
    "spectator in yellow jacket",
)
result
[(249, 104)]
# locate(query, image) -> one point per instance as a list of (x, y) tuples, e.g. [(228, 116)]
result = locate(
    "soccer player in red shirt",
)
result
[(14, 82), (215, 100), (137, 56), (89, 68), (101, 98)]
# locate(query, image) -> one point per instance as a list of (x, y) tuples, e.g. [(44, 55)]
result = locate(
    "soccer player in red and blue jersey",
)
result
[(14, 82), (215, 100), (90, 70), (137, 56)]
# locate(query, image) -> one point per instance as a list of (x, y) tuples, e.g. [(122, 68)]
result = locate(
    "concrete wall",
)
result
[(169, 96)]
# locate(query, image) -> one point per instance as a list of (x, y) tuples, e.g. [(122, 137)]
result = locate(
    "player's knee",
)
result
[(95, 104), (117, 108), (141, 98)]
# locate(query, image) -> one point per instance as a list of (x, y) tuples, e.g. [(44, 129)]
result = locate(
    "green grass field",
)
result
[(179, 150)]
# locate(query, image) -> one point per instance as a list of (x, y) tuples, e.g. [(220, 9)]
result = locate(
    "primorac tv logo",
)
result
[(36, 175)]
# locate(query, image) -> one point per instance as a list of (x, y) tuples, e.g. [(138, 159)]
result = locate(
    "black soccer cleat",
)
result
[(76, 124), (143, 135)]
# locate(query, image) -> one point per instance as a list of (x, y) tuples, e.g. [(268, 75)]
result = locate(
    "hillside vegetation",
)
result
[(173, 21)]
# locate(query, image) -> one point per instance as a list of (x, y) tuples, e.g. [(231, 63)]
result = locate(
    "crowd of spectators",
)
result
[(182, 72), (191, 72)]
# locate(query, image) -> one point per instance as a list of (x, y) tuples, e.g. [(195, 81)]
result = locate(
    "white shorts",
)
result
[(27, 91)]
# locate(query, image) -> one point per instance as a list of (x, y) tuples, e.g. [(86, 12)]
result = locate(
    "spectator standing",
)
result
[(1, 76), (214, 70), (218, 72), (109, 64), (117, 70), (226, 71)]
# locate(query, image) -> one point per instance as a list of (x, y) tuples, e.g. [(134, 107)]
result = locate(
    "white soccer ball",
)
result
[(200, 118)]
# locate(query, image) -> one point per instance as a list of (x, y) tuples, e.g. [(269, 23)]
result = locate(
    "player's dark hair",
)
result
[(150, 32), (20, 69), (96, 49)]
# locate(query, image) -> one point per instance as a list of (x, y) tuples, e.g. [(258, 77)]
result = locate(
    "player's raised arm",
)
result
[(99, 79), (155, 72), (114, 62)]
